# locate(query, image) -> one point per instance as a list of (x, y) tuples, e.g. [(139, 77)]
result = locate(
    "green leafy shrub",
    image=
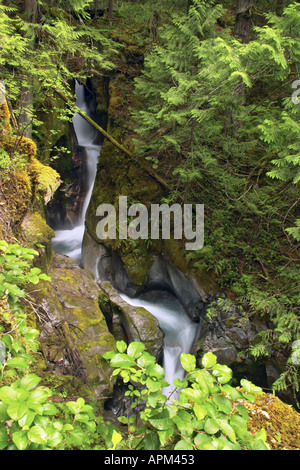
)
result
[(28, 418), (206, 416), (16, 270)]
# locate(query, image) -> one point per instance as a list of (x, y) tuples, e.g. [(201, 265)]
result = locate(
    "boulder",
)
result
[(74, 333)]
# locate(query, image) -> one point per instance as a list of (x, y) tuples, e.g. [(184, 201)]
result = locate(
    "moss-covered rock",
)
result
[(74, 333), (35, 230), (281, 422), (22, 178)]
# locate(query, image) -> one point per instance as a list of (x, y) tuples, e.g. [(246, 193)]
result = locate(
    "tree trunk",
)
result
[(243, 20), (30, 13), (26, 108), (30, 10), (110, 11)]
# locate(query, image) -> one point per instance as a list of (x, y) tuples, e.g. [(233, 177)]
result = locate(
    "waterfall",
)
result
[(179, 329), (69, 242)]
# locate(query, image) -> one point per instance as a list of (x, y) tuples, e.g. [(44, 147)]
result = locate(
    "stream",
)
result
[(69, 242), (178, 328)]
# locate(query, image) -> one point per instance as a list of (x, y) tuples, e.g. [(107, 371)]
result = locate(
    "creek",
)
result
[(69, 242), (178, 328)]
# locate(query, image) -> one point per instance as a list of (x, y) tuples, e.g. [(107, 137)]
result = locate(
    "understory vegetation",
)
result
[(202, 412)]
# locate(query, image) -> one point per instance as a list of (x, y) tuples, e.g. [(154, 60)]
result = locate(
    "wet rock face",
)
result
[(228, 334), (74, 333), (105, 265), (130, 323)]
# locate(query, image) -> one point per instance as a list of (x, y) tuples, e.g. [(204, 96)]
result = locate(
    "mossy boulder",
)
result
[(35, 230), (74, 333), (281, 421)]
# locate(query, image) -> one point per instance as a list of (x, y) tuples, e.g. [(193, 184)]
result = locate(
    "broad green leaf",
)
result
[(116, 439), (20, 439), (77, 435), (259, 444), (54, 437), (239, 424), (40, 395), (165, 435), (188, 362), (3, 412), (49, 409), (155, 370), (161, 421), (223, 403), (17, 363), (200, 411), (183, 445), (211, 426), (151, 442), (204, 442), (30, 381), (145, 359), (37, 435), (121, 346), (223, 443), (226, 428), (184, 421), (122, 360), (16, 410), (27, 419), (81, 402), (3, 437), (201, 381), (82, 417), (249, 387), (154, 397), (223, 373), (209, 360), (261, 434), (180, 383), (195, 396), (211, 408), (135, 350), (73, 407)]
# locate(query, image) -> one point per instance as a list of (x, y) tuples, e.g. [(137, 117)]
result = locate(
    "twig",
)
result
[(67, 399)]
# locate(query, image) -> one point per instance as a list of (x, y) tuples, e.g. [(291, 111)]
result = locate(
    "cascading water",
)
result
[(69, 242), (179, 329)]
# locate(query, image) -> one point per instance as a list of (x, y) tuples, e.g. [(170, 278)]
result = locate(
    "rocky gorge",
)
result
[(133, 268)]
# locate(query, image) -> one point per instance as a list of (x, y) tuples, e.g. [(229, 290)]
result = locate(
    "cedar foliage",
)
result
[(219, 115)]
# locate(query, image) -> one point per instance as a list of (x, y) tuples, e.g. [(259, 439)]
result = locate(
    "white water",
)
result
[(69, 242), (179, 331)]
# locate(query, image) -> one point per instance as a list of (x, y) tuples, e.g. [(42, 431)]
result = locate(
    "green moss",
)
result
[(35, 230), (46, 179), (281, 422)]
